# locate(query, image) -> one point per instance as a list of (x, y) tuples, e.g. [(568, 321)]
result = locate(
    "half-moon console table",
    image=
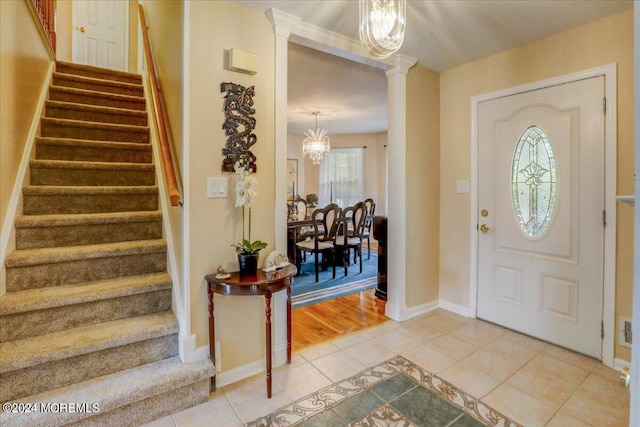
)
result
[(263, 283)]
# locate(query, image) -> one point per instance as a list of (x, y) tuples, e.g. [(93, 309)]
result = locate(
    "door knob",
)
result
[(485, 228), (81, 29)]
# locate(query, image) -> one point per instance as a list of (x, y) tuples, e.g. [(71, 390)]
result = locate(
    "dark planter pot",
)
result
[(248, 264)]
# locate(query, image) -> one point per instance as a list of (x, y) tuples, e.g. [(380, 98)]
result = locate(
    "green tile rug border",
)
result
[(329, 397)]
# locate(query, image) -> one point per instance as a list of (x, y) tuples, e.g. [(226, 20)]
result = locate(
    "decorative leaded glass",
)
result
[(533, 181)]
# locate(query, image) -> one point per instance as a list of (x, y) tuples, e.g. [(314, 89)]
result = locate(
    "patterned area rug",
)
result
[(396, 393), (305, 290)]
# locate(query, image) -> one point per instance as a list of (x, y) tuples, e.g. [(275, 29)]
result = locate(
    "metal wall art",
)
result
[(238, 126)]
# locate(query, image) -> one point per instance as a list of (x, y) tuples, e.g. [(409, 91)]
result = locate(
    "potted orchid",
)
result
[(245, 194)]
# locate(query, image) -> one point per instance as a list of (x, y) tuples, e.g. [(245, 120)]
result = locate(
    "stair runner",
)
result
[(87, 335)]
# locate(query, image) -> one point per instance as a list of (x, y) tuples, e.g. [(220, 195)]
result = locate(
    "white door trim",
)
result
[(611, 137)]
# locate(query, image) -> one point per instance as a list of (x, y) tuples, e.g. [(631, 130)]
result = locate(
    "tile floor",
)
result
[(535, 383)]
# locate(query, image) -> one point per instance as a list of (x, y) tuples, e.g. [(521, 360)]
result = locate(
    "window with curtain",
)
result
[(342, 177)]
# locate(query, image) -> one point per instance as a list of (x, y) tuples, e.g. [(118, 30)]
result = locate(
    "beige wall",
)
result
[(166, 28), (22, 53), (309, 174), (606, 41), (422, 185), (214, 224)]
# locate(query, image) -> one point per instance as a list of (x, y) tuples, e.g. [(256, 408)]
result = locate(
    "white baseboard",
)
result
[(189, 353), (457, 309), (401, 314), (619, 364), (240, 373)]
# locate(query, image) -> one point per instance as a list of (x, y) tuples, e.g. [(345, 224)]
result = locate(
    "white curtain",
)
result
[(342, 177)]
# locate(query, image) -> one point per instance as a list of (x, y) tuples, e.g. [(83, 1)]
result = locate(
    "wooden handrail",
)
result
[(165, 149), (46, 12)]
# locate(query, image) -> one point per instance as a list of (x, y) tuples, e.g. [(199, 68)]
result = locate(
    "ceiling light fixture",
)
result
[(382, 25), (316, 144)]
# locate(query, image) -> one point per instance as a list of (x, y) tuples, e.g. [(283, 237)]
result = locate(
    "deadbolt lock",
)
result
[(484, 212)]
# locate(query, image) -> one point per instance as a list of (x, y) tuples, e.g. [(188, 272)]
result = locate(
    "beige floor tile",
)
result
[(349, 340), (250, 400), (318, 351), (607, 372), (299, 381), (523, 408), (443, 323), (452, 316), (161, 422), (564, 420), (370, 353), (397, 341), (488, 327), (525, 340), (576, 359), (548, 379), (511, 350), (600, 401), (474, 334), (492, 364), (215, 412), (419, 331), (383, 328), (338, 366), (470, 380), (430, 359), (452, 346)]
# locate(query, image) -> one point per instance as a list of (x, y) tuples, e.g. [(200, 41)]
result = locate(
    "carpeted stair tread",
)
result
[(97, 84), (58, 296), (70, 190), (92, 97), (97, 72), (29, 221), (86, 149), (80, 124), (27, 257), (77, 164), (110, 392), (76, 111), (26, 352)]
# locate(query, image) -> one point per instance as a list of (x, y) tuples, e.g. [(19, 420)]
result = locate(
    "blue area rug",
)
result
[(305, 290)]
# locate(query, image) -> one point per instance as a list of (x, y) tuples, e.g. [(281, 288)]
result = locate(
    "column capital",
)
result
[(400, 64), (282, 22)]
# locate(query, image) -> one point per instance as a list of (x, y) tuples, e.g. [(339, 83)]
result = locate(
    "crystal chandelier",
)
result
[(382, 25), (316, 144)]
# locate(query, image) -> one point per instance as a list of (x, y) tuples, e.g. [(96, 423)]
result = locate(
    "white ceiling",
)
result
[(441, 34)]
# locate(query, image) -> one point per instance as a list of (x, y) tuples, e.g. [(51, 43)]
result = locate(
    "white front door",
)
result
[(100, 33), (541, 207)]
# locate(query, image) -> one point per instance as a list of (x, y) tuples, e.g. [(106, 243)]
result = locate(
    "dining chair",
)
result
[(368, 223), (301, 209), (325, 224), (352, 219)]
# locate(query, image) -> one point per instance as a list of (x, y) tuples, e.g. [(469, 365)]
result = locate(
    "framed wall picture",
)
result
[(292, 179)]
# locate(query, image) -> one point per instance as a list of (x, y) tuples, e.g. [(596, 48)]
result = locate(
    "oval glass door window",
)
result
[(533, 181)]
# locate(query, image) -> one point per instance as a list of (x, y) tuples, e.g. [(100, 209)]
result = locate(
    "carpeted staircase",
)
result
[(87, 314)]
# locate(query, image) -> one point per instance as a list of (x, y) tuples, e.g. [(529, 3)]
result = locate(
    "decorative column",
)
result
[(396, 307), (282, 25)]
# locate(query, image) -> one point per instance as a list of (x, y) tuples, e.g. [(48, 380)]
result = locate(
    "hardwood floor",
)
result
[(324, 321)]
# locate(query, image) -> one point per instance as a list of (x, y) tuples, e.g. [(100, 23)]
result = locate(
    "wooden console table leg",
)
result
[(289, 324), (212, 340), (267, 313)]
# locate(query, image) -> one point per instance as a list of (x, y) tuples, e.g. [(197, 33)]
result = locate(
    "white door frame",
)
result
[(74, 25), (611, 137)]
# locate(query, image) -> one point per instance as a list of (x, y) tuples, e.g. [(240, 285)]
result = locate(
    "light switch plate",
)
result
[(216, 187)]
